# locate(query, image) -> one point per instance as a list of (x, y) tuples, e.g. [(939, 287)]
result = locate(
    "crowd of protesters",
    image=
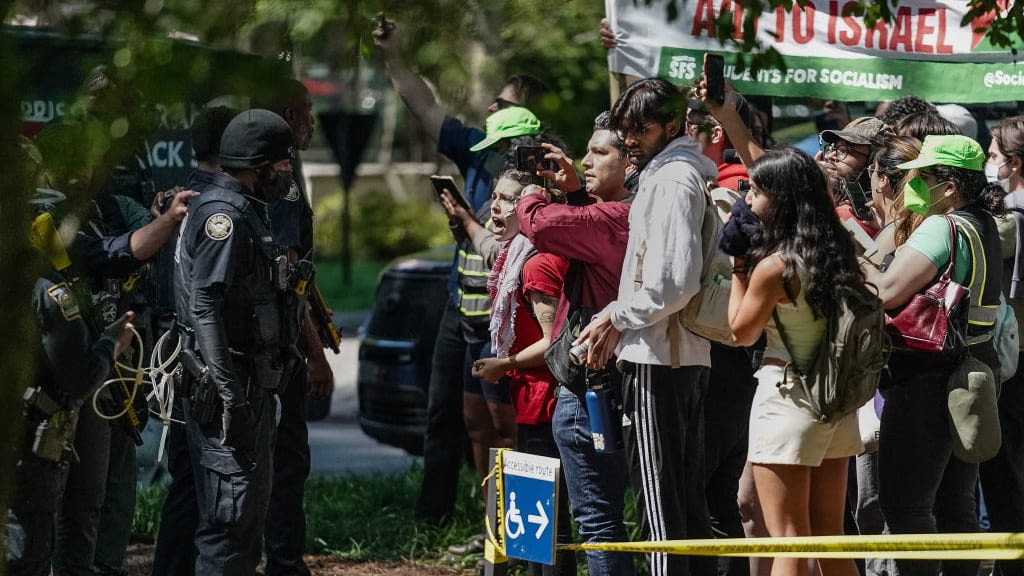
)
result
[(716, 441)]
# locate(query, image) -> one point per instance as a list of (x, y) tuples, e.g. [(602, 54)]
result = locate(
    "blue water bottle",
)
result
[(605, 416)]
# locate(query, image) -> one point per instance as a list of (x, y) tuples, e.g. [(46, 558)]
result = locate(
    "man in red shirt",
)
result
[(594, 234)]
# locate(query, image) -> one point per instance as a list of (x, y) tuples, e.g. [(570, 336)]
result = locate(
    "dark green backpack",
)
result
[(848, 365)]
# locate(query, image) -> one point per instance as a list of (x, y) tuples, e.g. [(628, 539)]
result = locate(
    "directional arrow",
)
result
[(540, 519)]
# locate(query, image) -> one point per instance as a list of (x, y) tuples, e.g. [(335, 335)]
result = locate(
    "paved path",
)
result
[(337, 444)]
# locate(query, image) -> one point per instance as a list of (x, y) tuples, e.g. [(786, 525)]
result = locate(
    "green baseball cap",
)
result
[(508, 123), (957, 151)]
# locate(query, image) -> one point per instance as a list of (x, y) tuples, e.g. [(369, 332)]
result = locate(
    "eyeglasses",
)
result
[(634, 131), (840, 149), (500, 103), (872, 170)]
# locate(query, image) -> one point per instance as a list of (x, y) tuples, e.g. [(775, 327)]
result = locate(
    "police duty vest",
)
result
[(255, 314)]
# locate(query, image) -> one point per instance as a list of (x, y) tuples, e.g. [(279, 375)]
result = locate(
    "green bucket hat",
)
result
[(956, 151), (508, 123)]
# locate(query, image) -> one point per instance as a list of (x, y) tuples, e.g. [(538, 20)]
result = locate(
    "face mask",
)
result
[(992, 172), (273, 184), (917, 196)]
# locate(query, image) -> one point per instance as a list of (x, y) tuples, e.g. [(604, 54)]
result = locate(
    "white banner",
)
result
[(924, 51)]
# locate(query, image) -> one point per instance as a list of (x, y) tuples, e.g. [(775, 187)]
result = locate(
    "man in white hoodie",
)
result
[(661, 272)]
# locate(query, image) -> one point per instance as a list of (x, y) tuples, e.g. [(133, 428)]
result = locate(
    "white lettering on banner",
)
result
[(165, 154), (1000, 78), (41, 110), (683, 67), (861, 79)]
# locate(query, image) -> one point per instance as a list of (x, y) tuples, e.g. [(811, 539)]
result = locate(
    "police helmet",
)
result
[(255, 138)]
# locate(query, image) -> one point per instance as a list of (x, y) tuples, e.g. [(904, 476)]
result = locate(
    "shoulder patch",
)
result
[(293, 192), (219, 226), (62, 296)]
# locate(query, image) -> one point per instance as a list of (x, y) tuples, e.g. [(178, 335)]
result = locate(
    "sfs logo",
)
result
[(682, 67)]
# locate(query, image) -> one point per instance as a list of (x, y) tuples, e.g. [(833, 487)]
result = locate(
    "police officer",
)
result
[(230, 282), (72, 363), (292, 223)]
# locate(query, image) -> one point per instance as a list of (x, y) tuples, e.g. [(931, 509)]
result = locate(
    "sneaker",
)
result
[(474, 545)]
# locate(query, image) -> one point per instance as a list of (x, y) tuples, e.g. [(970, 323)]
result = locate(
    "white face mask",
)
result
[(992, 171)]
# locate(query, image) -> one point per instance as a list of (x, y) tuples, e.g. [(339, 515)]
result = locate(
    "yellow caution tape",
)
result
[(989, 546)]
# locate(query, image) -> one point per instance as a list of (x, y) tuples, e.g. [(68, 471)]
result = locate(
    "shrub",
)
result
[(382, 228)]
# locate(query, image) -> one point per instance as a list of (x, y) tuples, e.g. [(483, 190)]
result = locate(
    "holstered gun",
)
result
[(202, 392), (55, 435)]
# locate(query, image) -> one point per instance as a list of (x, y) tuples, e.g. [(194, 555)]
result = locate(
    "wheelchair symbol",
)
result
[(513, 517)]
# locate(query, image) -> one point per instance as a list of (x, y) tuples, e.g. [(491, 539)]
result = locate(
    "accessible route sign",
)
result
[(924, 51)]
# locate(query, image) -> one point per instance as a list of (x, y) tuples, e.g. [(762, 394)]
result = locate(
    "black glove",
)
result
[(735, 236), (239, 428)]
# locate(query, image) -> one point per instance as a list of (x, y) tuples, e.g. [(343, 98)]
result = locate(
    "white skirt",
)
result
[(784, 432)]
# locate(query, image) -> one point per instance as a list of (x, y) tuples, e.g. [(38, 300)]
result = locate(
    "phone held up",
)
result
[(858, 200), (531, 159), (714, 76), (442, 183)]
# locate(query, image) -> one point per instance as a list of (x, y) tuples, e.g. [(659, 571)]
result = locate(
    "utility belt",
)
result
[(257, 372), (54, 435)]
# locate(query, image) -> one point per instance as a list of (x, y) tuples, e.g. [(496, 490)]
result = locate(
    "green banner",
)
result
[(860, 78)]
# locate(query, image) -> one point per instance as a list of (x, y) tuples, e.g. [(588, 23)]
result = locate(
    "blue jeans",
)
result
[(596, 483)]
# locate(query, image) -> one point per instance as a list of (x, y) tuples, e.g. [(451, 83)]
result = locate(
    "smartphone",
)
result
[(442, 183), (858, 200), (714, 75), (531, 159)]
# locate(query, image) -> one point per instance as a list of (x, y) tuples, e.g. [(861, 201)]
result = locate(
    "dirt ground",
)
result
[(140, 561)]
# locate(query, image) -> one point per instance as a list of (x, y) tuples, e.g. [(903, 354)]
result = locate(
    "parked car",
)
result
[(397, 347)]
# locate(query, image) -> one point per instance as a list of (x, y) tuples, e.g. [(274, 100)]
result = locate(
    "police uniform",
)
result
[(292, 222), (99, 501), (229, 287), (71, 364)]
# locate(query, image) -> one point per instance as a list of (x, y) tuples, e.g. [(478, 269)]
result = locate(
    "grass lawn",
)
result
[(358, 295)]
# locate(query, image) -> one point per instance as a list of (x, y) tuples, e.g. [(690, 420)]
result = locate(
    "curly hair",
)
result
[(902, 107), (802, 226)]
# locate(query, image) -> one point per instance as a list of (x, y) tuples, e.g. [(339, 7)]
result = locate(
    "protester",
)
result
[(923, 488), (525, 286), (846, 154), (887, 182), (663, 399), (924, 124), (790, 252), (592, 234), (463, 331), (890, 113), (1002, 478)]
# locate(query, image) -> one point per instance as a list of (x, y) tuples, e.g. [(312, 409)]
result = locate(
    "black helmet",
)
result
[(255, 138)]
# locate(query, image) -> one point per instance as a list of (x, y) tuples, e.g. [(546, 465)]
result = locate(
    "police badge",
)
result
[(219, 226), (293, 192)]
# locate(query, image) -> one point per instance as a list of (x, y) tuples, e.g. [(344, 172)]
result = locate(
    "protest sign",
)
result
[(924, 51)]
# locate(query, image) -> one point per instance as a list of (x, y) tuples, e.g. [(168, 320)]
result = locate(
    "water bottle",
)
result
[(605, 418)]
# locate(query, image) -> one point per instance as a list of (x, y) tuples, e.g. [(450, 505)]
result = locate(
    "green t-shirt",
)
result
[(932, 240)]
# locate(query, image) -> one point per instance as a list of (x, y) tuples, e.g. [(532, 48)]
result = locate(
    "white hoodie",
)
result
[(665, 243)]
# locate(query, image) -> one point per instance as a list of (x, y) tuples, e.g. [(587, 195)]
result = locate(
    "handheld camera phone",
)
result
[(531, 159), (858, 200), (442, 183), (714, 75)]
